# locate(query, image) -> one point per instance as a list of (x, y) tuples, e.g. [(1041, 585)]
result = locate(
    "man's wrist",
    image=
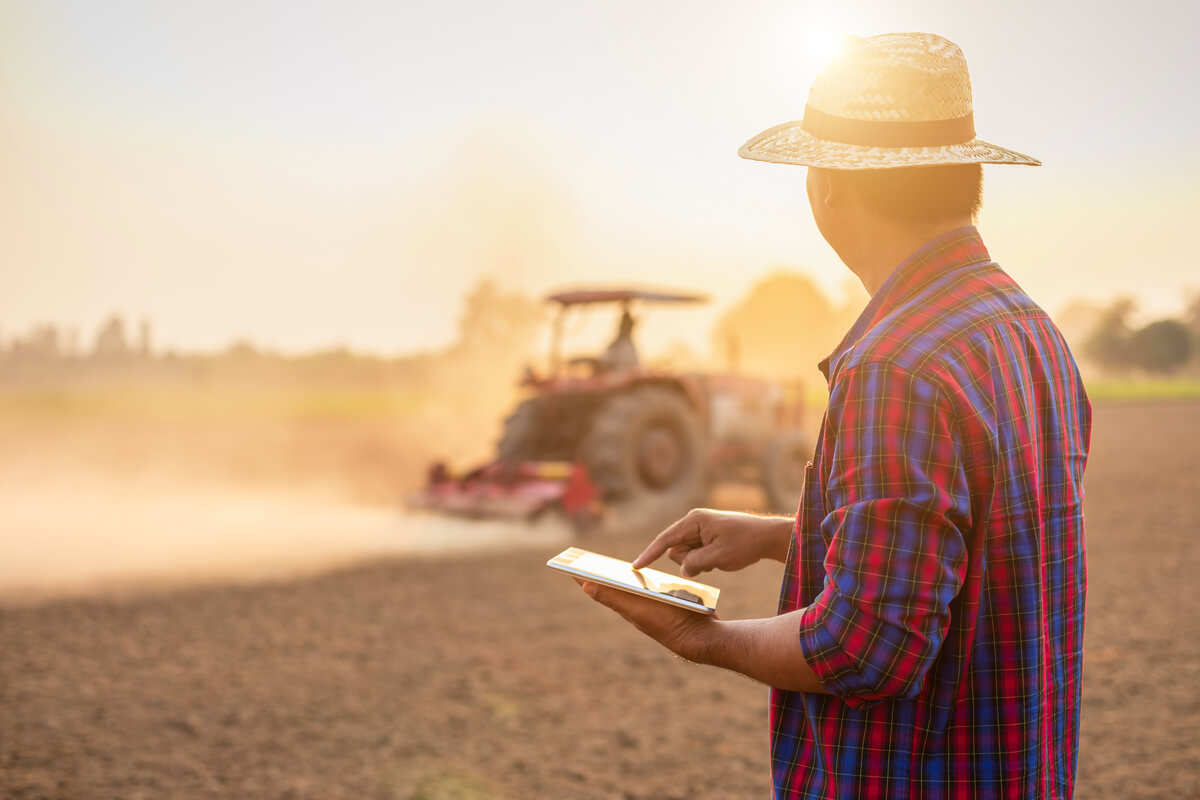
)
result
[(728, 644), (714, 645), (776, 536), (766, 650)]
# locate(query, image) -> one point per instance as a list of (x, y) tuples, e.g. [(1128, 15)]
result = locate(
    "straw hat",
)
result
[(896, 100)]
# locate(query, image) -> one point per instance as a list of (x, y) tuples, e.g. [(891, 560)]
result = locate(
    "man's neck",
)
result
[(875, 254)]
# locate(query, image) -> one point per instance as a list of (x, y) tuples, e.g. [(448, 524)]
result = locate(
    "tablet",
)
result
[(651, 583)]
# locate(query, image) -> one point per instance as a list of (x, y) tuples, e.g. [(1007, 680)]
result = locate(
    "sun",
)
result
[(822, 40)]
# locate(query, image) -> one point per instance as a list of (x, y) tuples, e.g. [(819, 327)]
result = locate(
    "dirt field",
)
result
[(488, 676)]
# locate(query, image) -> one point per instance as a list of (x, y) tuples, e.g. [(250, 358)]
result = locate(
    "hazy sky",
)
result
[(305, 174)]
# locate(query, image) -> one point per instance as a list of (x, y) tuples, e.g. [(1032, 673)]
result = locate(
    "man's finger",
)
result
[(698, 560), (609, 597), (659, 545), (604, 595), (679, 532)]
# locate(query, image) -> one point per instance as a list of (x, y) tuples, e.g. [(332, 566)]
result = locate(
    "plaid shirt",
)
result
[(938, 549)]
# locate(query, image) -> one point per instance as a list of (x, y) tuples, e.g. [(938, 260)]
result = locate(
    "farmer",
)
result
[(930, 629), (621, 355)]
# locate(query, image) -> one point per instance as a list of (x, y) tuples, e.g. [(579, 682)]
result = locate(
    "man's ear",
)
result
[(833, 188), (816, 186), (823, 188)]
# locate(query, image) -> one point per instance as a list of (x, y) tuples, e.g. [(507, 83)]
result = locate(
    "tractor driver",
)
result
[(621, 355)]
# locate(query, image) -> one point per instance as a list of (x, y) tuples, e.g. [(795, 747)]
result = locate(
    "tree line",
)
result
[(780, 327), (1162, 347)]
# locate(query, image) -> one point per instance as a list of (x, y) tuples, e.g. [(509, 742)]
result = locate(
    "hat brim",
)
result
[(789, 143)]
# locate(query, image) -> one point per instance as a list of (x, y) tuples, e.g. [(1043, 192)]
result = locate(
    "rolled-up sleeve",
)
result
[(898, 506)]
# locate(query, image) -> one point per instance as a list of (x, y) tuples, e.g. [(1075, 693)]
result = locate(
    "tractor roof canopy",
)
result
[(585, 296)]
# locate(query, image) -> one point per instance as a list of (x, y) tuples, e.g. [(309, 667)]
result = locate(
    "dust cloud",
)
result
[(127, 468), (82, 533)]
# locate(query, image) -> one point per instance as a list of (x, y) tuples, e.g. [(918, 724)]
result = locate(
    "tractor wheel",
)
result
[(783, 465), (518, 441), (646, 449)]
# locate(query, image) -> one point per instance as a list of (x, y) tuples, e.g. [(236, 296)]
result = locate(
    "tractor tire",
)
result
[(645, 451), (518, 442), (784, 460)]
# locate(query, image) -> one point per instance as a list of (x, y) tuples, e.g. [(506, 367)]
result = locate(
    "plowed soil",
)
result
[(489, 676)]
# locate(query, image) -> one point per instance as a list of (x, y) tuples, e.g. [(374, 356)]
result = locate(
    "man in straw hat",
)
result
[(929, 636)]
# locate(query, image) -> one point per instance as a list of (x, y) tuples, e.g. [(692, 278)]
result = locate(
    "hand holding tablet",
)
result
[(660, 586)]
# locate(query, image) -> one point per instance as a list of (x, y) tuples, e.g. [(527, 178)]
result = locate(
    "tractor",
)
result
[(605, 435)]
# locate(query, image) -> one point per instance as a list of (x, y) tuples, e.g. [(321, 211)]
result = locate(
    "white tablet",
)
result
[(651, 583)]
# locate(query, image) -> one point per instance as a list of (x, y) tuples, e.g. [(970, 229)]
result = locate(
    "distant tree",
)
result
[(1161, 347), (44, 342), (1109, 343), (782, 327), (1077, 320), (241, 349), (71, 345), (496, 332), (1191, 314), (1191, 317), (110, 339), (497, 322), (145, 339)]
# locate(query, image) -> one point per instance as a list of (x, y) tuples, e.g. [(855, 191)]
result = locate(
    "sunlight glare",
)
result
[(821, 42)]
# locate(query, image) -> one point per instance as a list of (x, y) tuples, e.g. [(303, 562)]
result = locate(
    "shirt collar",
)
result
[(958, 248)]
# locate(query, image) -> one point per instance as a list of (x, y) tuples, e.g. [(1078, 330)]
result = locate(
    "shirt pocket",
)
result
[(812, 503)]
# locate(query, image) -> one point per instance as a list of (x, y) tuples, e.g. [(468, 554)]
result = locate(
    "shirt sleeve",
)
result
[(899, 504)]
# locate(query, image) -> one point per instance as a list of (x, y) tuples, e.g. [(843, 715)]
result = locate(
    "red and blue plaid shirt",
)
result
[(938, 550)]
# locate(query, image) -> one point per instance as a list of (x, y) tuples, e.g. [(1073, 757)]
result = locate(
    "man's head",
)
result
[(919, 196), (924, 200), (888, 135)]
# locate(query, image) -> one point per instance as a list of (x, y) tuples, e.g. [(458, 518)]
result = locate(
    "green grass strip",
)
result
[(1148, 389)]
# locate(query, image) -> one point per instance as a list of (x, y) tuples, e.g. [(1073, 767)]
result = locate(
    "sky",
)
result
[(306, 175)]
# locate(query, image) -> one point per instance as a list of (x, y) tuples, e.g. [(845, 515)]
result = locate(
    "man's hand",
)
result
[(767, 650), (727, 540), (685, 633)]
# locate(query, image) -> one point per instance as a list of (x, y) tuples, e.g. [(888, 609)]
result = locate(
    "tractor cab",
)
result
[(620, 361)]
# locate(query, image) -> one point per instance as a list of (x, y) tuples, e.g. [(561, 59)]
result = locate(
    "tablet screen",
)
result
[(652, 583)]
